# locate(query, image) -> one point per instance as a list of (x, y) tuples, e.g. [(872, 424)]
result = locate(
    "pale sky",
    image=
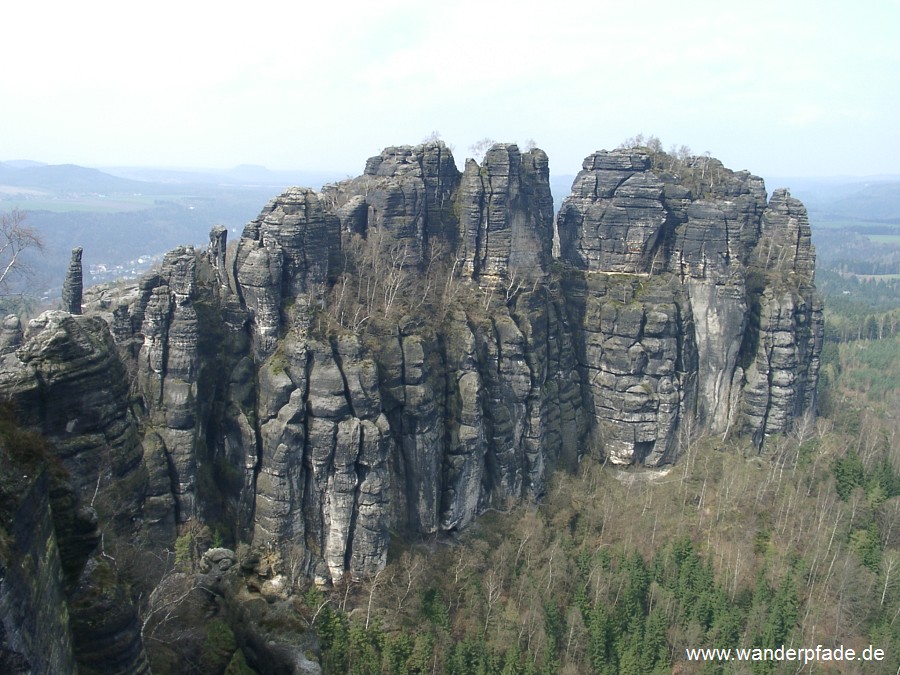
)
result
[(780, 88)]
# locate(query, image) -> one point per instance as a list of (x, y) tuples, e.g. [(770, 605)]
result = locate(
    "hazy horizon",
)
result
[(339, 174), (779, 89)]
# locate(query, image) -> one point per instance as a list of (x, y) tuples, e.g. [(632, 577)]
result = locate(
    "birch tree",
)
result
[(16, 238)]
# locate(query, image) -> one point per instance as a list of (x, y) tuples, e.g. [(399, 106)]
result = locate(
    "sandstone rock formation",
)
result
[(405, 193), (506, 215), (73, 285), (402, 351), (695, 233), (58, 616)]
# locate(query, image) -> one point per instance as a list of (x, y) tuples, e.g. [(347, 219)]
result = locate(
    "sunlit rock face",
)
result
[(614, 219), (402, 351), (672, 347)]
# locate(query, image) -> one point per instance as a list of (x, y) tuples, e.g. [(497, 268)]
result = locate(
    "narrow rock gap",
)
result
[(338, 360)]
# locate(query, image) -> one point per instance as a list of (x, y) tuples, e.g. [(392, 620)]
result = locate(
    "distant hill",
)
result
[(837, 199), (21, 164), (117, 219), (67, 178), (60, 179), (245, 174), (873, 201)]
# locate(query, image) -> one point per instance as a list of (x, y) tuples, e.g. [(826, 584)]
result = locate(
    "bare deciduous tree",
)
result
[(411, 569), (889, 564), (15, 239), (479, 148), (632, 142)]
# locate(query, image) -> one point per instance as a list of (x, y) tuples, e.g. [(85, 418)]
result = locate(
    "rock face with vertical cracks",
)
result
[(168, 369), (406, 194), (669, 340), (506, 215), (285, 255), (67, 380), (401, 351), (614, 219), (323, 479), (786, 323)]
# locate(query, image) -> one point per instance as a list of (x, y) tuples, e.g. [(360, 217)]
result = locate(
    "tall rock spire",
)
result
[(73, 285)]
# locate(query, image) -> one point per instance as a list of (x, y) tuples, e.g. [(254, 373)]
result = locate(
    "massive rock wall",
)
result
[(681, 301), (405, 194), (506, 215), (696, 248), (68, 381)]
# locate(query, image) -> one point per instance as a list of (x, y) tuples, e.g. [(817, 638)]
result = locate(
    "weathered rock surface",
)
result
[(786, 323), (67, 380), (168, 369), (10, 334), (698, 228), (405, 194), (614, 218), (638, 355), (105, 624), (323, 480), (73, 285), (506, 215), (681, 302), (57, 615)]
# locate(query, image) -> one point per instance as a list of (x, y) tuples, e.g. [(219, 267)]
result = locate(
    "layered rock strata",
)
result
[(405, 194), (73, 286), (506, 215), (68, 380), (58, 616), (786, 323), (472, 363), (695, 232)]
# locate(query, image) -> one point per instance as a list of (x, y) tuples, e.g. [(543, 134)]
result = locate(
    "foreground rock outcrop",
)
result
[(403, 350)]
